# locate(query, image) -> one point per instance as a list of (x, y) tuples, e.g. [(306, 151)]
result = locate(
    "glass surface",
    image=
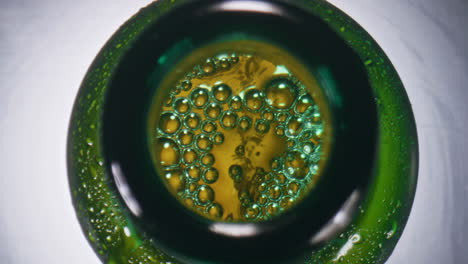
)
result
[(53, 42)]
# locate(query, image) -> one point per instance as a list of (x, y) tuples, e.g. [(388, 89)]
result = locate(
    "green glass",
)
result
[(124, 197)]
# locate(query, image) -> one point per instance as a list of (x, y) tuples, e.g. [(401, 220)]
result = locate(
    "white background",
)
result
[(46, 47)]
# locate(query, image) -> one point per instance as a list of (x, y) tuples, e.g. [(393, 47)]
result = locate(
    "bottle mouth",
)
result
[(239, 130), (239, 127)]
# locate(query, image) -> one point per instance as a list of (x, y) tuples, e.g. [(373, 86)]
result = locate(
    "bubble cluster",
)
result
[(260, 142)]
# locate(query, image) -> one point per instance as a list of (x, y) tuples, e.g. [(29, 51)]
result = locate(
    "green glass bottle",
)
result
[(235, 131)]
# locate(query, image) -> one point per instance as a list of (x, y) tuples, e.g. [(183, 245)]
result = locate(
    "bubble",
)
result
[(193, 187), (205, 195), (295, 125), (192, 121), (275, 164), (260, 173), (262, 126), (296, 165), (252, 212), (308, 147), (281, 93), (208, 127), (169, 123), (169, 100), (254, 100), (189, 202), (229, 120), (268, 115), (207, 160), (280, 178), (287, 202), (186, 85), (272, 209), (282, 117), (268, 177), (210, 175), (244, 198), (274, 192), (193, 172), (224, 63), (185, 137), (203, 142), (316, 117), (280, 131), (245, 123), (262, 187), (235, 172), (307, 134), (236, 103), (190, 156), (290, 143), (222, 93), (304, 104), (217, 138), (293, 188), (182, 106), (212, 111), (208, 67), (234, 59), (167, 152), (240, 150), (215, 210), (200, 97), (175, 180), (263, 199)]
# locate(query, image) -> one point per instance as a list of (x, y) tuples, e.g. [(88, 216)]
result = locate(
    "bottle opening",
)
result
[(239, 130)]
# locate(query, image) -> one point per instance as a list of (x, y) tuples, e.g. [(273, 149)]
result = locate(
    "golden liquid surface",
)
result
[(240, 133)]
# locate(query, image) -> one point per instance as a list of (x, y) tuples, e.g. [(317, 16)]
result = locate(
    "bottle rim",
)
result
[(350, 163)]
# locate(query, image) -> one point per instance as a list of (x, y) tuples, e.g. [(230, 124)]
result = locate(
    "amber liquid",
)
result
[(239, 136)]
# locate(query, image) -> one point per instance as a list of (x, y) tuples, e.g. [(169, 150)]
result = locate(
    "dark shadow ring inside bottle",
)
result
[(349, 169)]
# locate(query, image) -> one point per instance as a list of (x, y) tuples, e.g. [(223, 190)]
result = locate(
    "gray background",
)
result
[(46, 47)]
